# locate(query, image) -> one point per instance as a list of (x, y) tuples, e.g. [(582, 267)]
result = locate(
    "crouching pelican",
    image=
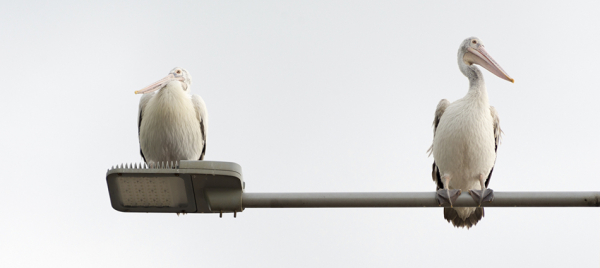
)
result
[(466, 134), (171, 122)]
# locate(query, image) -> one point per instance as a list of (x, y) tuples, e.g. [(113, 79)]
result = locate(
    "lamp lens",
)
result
[(152, 191)]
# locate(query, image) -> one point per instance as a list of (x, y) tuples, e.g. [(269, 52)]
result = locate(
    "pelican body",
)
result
[(466, 137), (172, 122)]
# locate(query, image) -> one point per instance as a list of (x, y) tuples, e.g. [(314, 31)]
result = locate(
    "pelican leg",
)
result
[(485, 195), (447, 196)]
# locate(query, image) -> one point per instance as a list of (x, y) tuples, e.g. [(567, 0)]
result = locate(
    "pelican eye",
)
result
[(474, 41), (178, 71)]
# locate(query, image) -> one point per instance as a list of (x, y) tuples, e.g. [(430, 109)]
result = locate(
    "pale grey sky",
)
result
[(312, 96)]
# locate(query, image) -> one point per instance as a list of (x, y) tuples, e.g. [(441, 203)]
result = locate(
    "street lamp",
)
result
[(218, 187), (184, 187)]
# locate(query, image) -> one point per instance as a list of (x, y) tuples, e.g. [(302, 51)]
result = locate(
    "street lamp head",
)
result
[(183, 187)]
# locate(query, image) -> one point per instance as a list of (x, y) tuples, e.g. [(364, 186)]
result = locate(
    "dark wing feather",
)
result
[(204, 140), (435, 174)]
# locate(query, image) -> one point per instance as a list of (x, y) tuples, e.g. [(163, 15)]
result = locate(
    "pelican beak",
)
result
[(481, 57), (159, 84)]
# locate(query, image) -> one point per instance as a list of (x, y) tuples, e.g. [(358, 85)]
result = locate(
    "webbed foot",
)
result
[(444, 196), (480, 196)]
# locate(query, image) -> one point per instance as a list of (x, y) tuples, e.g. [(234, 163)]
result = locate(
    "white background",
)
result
[(307, 96)]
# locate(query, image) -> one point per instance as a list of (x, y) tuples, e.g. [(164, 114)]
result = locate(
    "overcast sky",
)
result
[(307, 96)]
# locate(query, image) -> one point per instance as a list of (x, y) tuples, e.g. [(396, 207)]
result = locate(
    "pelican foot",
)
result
[(447, 196), (487, 196)]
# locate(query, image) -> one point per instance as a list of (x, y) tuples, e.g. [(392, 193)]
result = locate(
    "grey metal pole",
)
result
[(416, 199)]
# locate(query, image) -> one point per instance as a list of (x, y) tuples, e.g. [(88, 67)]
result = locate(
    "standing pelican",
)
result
[(465, 138), (172, 122)]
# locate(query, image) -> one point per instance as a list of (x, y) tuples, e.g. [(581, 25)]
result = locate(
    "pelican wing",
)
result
[(202, 116), (497, 138), (497, 129), (143, 102), (439, 111)]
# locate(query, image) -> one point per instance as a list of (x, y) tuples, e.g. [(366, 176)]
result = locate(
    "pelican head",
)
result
[(177, 74), (471, 52)]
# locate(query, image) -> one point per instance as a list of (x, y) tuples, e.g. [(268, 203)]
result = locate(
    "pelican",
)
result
[(172, 123), (466, 134)]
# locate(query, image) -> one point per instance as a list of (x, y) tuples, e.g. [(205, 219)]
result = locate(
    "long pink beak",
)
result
[(159, 84), (486, 61)]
